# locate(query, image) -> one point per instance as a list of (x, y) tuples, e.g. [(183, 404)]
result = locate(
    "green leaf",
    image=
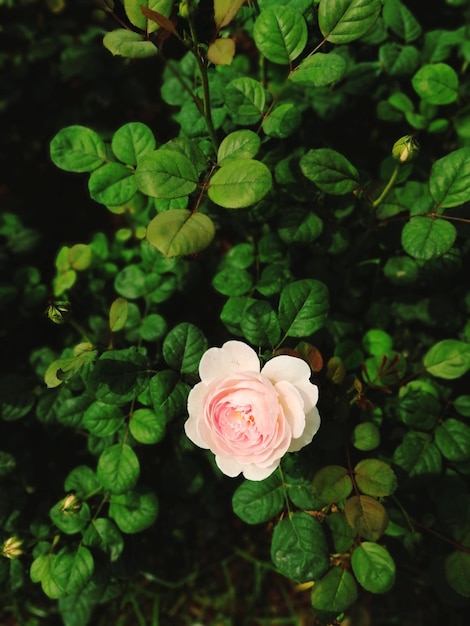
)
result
[(103, 534), (166, 174), (71, 570), (282, 121), (373, 567), (245, 98), (449, 182), (240, 183), (241, 144), (457, 571), (334, 593), (130, 282), (342, 533), (127, 43), (168, 394), (103, 420), (82, 480), (449, 359), (179, 232), (462, 405), (437, 83), (118, 468), (418, 408), (132, 141), (280, 34), (303, 307), (401, 270), (118, 314), (452, 438), (183, 348), (400, 20), (256, 502), (16, 399), (153, 327), (342, 21), (70, 522), (299, 549), (118, 376), (7, 463), (399, 61), (146, 427), (260, 325), (134, 511), (233, 311), (112, 183), (136, 17), (377, 342), (366, 436), (418, 455), (366, 516), (332, 484), (77, 149), (233, 282), (375, 478), (426, 238), (330, 171), (319, 70)]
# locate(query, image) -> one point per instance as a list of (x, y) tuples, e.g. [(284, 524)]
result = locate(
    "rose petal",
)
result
[(232, 357), (293, 405), (312, 424), (285, 367), (255, 472), (229, 466)]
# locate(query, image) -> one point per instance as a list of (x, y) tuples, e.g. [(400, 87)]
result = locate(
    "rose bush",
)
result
[(249, 418)]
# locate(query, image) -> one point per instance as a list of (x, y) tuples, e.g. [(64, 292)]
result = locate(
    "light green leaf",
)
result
[(319, 70), (146, 427), (330, 171), (331, 484), (426, 237), (166, 174), (178, 232), (437, 83), (132, 141), (342, 21), (71, 570), (241, 144), (365, 436), (373, 567), (112, 184), (118, 468), (280, 34), (118, 314), (245, 98), (77, 149), (240, 183), (282, 121), (449, 359), (136, 17), (375, 478), (449, 182), (103, 420), (127, 43)]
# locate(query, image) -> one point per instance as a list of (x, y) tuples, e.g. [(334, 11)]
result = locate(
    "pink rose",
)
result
[(250, 418)]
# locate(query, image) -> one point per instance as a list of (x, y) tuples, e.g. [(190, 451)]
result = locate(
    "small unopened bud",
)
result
[(58, 311), (71, 504), (405, 149), (11, 549)]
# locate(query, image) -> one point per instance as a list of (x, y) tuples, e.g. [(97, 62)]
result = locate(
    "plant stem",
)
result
[(387, 187)]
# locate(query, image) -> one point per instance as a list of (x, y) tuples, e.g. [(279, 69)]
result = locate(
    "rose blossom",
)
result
[(250, 418)]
